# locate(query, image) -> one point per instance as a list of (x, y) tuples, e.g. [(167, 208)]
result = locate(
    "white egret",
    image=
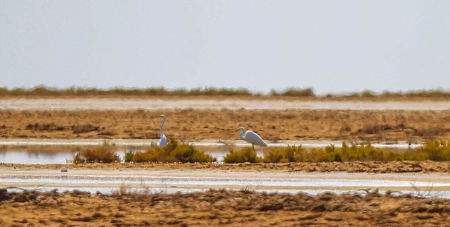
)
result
[(163, 140), (251, 137)]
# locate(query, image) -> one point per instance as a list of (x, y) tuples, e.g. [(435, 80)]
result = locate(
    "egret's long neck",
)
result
[(241, 135), (161, 128)]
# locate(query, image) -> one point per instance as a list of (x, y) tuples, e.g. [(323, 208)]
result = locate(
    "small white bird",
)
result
[(251, 137), (163, 140)]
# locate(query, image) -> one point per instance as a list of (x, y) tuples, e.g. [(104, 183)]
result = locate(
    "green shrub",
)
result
[(245, 155), (284, 154), (129, 155), (367, 153), (173, 152), (294, 92), (101, 154), (368, 94), (188, 153), (320, 155), (432, 150)]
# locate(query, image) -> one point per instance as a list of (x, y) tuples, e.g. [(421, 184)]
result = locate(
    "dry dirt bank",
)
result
[(272, 125), (219, 208), (350, 167)]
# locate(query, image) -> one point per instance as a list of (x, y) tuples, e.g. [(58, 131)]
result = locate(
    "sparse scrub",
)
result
[(245, 155), (101, 154), (173, 152)]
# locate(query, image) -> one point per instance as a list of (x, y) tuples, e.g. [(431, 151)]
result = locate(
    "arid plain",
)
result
[(387, 126), (228, 208)]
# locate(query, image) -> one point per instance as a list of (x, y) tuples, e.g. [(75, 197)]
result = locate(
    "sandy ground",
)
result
[(173, 180), (216, 103), (382, 126), (219, 208)]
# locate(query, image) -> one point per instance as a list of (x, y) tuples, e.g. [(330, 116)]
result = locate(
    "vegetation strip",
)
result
[(432, 150), (44, 91), (185, 153)]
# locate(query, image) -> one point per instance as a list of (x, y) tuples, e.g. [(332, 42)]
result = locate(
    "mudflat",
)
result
[(384, 126), (350, 167), (218, 208), (218, 103)]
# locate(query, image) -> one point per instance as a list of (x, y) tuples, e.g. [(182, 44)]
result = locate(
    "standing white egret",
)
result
[(251, 137), (163, 140)]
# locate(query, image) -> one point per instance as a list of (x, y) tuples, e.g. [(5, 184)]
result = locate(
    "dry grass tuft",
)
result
[(101, 154)]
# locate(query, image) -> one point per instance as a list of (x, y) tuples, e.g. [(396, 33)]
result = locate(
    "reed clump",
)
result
[(101, 154), (172, 152), (432, 150), (245, 155)]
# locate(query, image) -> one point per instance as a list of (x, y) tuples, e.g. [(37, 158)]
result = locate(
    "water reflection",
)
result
[(26, 157), (63, 156)]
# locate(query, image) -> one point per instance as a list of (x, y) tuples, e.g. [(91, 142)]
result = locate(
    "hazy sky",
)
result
[(332, 46)]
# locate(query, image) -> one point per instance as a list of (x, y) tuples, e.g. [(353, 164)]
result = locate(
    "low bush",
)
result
[(294, 92), (128, 157), (362, 153), (245, 155), (173, 152), (284, 154), (101, 154), (432, 150)]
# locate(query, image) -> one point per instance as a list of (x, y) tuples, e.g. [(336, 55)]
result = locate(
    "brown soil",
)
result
[(351, 167), (218, 208), (272, 125)]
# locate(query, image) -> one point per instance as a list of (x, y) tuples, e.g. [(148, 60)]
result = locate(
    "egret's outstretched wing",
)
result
[(254, 138)]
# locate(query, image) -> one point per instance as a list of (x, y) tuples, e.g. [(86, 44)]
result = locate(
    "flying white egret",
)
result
[(251, 137), (163, 140)]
